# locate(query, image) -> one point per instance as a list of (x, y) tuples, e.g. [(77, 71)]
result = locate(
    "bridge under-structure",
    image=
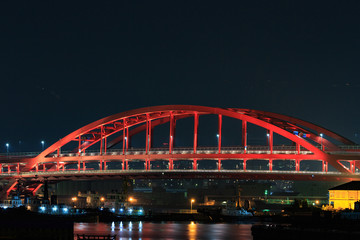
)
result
[(98, 144)]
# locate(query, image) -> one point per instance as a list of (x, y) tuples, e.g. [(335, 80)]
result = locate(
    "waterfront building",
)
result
[(345, 195)]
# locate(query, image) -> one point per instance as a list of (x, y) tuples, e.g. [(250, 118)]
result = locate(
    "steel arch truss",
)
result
[(145, 119)]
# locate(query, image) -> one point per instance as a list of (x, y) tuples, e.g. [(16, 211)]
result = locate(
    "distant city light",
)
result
[(321, 135), (54, 208)]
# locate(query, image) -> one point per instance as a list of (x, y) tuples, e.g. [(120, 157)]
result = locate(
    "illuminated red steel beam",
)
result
[(140, 114), (306, 124), (210, 174)]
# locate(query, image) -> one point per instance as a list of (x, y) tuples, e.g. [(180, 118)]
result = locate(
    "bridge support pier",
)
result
[(244, 165), (219, 164), (270, 164)]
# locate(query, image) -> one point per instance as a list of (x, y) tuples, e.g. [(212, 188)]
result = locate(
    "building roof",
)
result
[(354, 185)]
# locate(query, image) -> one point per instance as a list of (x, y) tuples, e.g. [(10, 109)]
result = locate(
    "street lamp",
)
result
[(191, 203), (7, 148), (74, 199), (131, 199), (321, 141), (102, 200), (42, 144)]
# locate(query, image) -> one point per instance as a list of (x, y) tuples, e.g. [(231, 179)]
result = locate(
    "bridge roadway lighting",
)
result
[(321, 141), (7, 149), (191, 203)]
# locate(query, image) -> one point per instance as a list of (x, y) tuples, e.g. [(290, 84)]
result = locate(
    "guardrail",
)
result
[(177, 149), (49, 173)]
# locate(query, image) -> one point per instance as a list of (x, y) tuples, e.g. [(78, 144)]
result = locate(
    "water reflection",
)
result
[(192, 230), (169, 230)]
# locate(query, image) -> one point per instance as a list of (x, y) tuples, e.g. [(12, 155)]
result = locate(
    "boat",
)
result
[(235, 213)]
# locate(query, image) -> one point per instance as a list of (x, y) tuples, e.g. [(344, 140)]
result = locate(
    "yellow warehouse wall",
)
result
[(343, 198)]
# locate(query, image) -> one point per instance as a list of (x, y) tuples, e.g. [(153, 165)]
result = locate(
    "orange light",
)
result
[(74, 199), (102, 199), (131, 199), (192, 200)]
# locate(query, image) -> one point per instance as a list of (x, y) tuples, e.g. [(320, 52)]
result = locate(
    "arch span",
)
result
[(143, 119)]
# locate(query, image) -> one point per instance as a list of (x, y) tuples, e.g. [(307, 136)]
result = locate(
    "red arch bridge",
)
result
[(97, 145)]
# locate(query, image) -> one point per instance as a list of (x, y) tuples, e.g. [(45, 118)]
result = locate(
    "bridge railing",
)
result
[(162, 150), (110, 171)]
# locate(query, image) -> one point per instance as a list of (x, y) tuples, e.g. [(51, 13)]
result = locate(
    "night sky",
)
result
[(64, 65)]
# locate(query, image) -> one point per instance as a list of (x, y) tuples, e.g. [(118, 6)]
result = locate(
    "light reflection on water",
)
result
[(168, 230)]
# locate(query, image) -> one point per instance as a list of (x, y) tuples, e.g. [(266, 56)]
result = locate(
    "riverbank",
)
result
[(313, 225)]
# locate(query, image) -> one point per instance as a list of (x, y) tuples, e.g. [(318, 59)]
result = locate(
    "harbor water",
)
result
[(168, 230)]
